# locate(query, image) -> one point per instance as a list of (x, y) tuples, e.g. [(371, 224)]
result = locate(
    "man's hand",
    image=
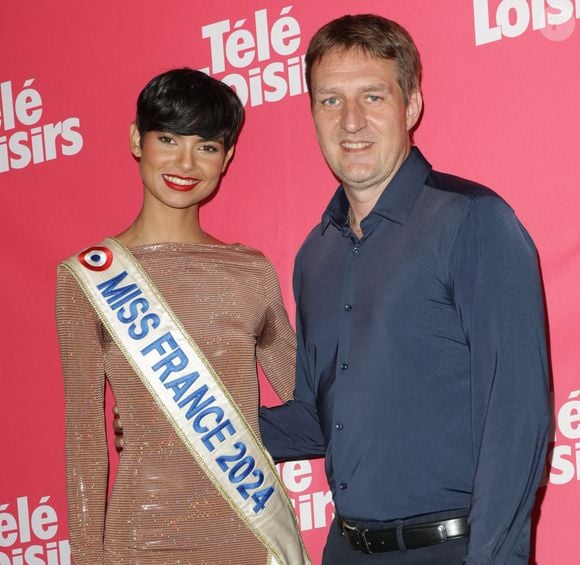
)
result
[(118, 429)]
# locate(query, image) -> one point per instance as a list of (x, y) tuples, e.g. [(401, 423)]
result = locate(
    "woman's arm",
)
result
[(276, 345), (79, 333)]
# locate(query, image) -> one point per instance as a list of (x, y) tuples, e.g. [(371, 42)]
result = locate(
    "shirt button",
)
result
[(342, 486), (344, 366), (355, 250), (348, 307), (339, 427)]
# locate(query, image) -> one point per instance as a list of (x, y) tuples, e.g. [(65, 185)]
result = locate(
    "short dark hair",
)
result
[(188, 102), (374, 36)]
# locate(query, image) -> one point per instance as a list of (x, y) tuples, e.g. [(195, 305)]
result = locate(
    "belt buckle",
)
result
[(360, 536)]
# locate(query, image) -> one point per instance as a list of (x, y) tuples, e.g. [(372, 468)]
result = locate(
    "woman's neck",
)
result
[(179, 226)]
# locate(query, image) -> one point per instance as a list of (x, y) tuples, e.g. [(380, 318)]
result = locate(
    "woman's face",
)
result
[(179, 170)]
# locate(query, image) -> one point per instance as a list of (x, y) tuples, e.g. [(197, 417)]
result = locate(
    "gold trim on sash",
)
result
[(189, 392)]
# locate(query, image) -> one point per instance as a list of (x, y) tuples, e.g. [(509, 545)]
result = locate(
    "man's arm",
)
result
[(498, 295), (292, 431)]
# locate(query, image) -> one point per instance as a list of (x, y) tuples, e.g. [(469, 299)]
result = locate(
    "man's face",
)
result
[(361, 119)]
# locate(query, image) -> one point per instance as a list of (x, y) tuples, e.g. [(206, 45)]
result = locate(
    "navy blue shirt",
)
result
[(422, 361)]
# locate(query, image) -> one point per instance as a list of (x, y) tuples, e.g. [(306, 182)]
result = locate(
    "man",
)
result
[(422, 366)]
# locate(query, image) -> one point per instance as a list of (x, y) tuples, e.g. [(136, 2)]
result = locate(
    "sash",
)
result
[(189, 392)]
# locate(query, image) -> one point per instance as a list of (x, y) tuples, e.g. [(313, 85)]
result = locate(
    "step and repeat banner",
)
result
[(502, 106)]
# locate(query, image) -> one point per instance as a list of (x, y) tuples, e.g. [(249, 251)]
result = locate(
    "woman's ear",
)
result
[(229, 155), (135, 140)]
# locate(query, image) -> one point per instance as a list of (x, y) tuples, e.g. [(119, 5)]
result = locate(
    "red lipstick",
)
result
[(183, 184)]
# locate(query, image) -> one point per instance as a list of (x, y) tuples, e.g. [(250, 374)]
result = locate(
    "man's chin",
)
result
[(357, 180)]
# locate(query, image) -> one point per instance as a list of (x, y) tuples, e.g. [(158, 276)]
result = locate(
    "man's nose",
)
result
[(353, 117)]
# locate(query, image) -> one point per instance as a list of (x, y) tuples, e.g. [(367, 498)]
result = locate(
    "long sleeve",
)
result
[(498, 296), (292, 431), (276, 344), (79, 333)]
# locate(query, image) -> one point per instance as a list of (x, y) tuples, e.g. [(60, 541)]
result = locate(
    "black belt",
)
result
[(414, 536)]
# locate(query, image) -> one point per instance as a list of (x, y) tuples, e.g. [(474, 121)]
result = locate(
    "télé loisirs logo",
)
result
[(24, 138), (259, 56), (496, 20), (29, 533)]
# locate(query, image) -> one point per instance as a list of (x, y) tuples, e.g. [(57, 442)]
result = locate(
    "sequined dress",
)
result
[(163, 509)]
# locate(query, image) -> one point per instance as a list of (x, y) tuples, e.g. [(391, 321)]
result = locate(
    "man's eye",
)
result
[(374, 98), (330, 101), (165, 139)]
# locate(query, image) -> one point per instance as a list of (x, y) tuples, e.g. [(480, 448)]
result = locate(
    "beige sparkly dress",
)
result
[(163, 509)]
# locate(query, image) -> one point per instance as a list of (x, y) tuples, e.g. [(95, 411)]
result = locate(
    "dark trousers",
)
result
[(338, 552)]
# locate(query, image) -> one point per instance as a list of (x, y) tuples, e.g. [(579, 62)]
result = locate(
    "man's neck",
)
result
[(363, 200)]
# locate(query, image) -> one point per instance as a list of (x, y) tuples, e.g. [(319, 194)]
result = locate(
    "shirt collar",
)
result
[(395, 202)]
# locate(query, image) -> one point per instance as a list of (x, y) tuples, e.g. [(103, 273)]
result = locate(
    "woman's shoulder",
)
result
[(235, 257)]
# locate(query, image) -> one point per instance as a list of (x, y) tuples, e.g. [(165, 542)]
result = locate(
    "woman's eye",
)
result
[(209, 148)]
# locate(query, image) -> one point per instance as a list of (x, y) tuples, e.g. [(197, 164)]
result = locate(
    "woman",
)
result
[(164, 508)]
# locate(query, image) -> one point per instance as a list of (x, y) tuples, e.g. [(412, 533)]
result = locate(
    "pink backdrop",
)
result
[(501, 90)]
